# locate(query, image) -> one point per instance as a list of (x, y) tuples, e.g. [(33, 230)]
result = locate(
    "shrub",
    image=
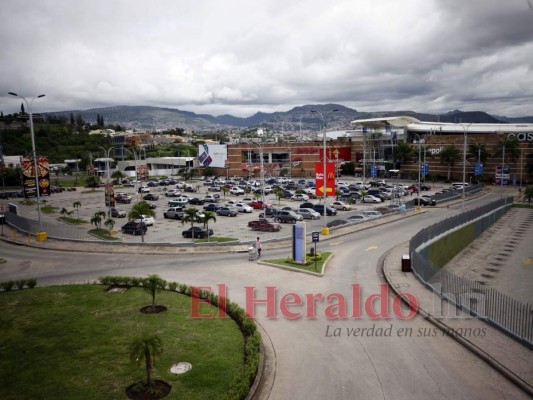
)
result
[(105, 280), (137, 282), (21, 283), (31, 283), (8, 285), (172, 286)]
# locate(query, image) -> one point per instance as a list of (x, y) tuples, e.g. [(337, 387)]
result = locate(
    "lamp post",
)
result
[(35, 166), (324, 122), (108, 188), (465, 132), (262, 172), (419, 162)]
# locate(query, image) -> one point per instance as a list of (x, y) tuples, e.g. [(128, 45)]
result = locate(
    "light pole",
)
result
[(35, 167), (108, 191), (325, 229), (465, 132), (419, 189), (262, 172)]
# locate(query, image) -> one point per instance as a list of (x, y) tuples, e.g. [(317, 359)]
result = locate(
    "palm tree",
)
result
[(191, 215), (207, 216), (279, 194), (96, 220), (479, 152), (64, 212), (449, 155), (109, 223), (77, 205), (137, 211), (146, 347), (153, 284), (92, 182), (117, 177), (403, 151), (511, 148), (225, 190)]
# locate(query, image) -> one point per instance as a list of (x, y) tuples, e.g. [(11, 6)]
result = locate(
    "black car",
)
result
[(134, 228), (197, 232), (196, 201), (151, 197), (150, 205), (423, 201), (307, 205), (212, 207), (319, 208)]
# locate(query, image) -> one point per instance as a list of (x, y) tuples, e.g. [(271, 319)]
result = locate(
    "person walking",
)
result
[(258, 246)]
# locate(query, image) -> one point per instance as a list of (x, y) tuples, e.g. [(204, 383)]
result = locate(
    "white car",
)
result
[(148, 221), (340, 205), (144, 189), (237, 191), (300, 197), (244, 208), (172, 193), (247, 200), (370, 214), (371, 199), (357, 218), (308, 213)]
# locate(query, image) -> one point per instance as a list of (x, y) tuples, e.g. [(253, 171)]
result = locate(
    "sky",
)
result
[(239, 57)]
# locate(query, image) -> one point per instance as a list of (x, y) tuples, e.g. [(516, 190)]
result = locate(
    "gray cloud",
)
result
[(240, 57)]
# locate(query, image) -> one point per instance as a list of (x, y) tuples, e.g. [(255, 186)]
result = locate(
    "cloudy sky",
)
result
[(244, 56)]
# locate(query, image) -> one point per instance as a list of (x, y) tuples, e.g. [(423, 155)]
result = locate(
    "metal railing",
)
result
[(474, 297)]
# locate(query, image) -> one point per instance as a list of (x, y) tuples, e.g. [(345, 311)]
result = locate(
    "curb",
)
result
[(510, 375)]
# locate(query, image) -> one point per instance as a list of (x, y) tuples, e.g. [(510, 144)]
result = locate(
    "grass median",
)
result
[(288, 262), (72, 342)]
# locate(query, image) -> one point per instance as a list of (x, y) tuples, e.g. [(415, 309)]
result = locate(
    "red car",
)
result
[(259, 205), (264, 224)]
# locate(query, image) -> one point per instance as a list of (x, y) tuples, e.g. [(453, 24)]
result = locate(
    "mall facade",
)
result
[(371, 147)]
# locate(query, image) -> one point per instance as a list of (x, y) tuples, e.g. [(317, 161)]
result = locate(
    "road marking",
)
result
[(335, 243), (528, 261), (372, 248)]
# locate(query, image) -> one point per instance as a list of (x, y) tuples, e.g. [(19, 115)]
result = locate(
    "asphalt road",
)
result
[(316, 358)]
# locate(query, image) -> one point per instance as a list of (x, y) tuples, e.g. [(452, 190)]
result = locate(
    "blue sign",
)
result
[(316, 236), (373, 171), (424, 169), (478, 169)]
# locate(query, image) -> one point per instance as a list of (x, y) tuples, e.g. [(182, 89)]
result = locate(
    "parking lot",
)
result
[(169, 230)]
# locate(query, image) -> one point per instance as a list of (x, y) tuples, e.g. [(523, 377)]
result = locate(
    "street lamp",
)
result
[(108, 188), (35, 167), (419, 166), (325, 229), (465, 132), (262, 172)]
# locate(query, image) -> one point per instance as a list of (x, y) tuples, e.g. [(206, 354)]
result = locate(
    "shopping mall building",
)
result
[(371, 146)]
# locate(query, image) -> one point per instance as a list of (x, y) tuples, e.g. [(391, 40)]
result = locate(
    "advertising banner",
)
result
[(327, 184), (28, 176), (212, 155)]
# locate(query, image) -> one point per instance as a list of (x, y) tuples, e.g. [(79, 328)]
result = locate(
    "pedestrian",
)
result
[(258, 247)]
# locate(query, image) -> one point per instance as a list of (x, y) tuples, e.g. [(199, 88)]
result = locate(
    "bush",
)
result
[(21, 283), (172, 286), (8, 285), (31, 283)]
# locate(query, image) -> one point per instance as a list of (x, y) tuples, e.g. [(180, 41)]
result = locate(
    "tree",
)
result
[(92, 182), (191, 215), (449, 155), (146, 348), (479, 152), (117, 177), (225, 190), (511, 148), (153, 284), (205, 218), (140, 209), (279, 194), (77, 205), (64, 212), (109, 223), (403, 151), (96, 220)]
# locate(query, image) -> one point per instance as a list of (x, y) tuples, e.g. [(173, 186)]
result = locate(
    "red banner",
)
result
[(329, 183)]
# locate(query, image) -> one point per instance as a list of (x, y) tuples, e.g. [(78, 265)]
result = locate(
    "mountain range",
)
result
[(305, 118)]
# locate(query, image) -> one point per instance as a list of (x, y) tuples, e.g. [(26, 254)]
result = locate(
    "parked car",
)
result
[(197, 201), (148, 220), (178, 202), (423, 201), (211, 207), (319, 208), (214, 189), (258, 204), (174, 213), (269, 212), (227, 211), (244, 208), (151, 206), (339, 205), (337, 222), (197, 232), (308, 213), (117, 212), (237, 191), (371, 199), (210, 199), (307, 205), (172, 193), (144, 189), (190, 189), (153, 184), (300, 197), (123, 199), (288, 216), (357, 218), (127, 183), (370, 214), (264, 224), (134, 228), (151, 197)]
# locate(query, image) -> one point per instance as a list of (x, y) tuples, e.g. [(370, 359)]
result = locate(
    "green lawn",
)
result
[(71, 342), (311, 267)]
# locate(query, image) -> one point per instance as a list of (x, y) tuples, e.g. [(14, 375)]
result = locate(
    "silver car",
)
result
[(308, 213)]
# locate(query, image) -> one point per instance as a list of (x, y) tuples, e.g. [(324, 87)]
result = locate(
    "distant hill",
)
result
[(302, 117)]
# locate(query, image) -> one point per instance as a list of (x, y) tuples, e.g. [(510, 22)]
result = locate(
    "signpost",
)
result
[(329, 185), (316, 237)]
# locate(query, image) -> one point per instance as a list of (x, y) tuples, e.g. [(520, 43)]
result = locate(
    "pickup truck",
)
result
[(174, 213)]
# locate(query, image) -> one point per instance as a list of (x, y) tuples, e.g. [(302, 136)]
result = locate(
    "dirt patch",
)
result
[(153, 309), (139, 391)]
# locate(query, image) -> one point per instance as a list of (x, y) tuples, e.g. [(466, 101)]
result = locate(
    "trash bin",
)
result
[(41, 236), (406, 263), (2, 219), (433, 202)]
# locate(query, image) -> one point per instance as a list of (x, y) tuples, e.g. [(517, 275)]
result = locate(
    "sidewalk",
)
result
[(499, 350)]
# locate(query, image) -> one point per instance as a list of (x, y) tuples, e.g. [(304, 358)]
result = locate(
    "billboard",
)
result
[(327, 184), (212, 155), (506, 176), (28, 176)]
